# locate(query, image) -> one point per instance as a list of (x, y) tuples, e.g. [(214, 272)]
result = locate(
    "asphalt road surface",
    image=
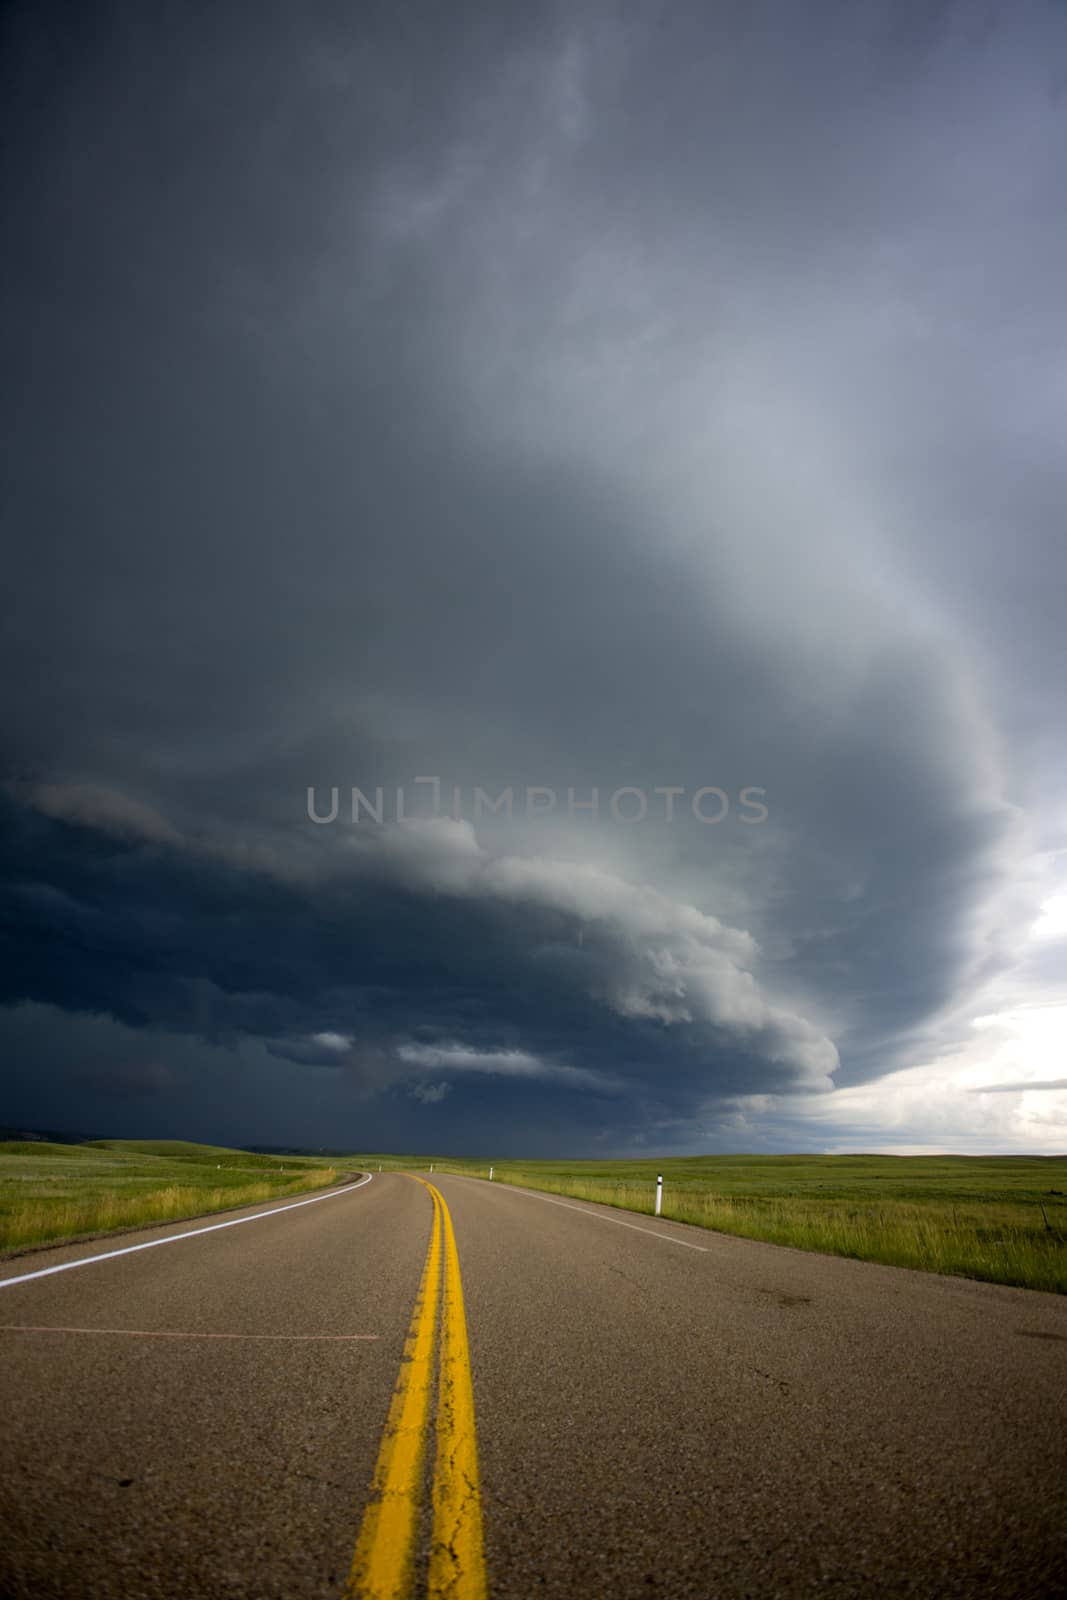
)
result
[(284, 1408)]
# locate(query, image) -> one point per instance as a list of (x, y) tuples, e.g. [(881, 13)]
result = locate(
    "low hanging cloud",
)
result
[(102, 809), (313, 1049), (454, 1057), (420, 926), (638, 952), (429, 1094)]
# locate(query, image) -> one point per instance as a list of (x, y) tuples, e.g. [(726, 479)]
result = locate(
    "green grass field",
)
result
[(66, 1191), (998, 1218)]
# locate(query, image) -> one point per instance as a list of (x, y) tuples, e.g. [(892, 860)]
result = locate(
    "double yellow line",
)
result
[(384, 1564)]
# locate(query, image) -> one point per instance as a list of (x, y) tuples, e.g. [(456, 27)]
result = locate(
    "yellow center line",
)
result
[(383, 1568), (457, 1558)]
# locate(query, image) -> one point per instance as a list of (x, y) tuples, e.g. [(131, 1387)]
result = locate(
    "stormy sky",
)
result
[(660, 403)]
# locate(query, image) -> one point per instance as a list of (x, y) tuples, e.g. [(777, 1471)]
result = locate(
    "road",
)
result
[(658, 1411)]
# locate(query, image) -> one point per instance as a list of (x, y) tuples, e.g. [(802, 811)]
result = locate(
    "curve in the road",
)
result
[(176, 1238)]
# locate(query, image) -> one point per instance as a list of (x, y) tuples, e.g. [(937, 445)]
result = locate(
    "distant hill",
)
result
[(41, 1135), (295, 1150), (160, 1147)]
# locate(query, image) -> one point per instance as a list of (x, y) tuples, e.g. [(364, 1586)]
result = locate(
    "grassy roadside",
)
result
[(51, 1192), (1002, 1219)]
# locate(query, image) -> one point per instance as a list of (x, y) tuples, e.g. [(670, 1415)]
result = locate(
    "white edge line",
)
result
[(168, 1333), (176, 1238), (664, 1238)]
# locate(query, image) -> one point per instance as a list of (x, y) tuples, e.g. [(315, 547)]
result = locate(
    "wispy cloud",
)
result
[(1020, 1086), (506, 1064)]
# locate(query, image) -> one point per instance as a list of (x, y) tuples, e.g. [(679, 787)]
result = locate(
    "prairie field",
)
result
[(1002, 1219), (998, 1218), (50, 1192)]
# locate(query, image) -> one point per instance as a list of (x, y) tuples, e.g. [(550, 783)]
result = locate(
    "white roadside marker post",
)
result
[(431, 1166), (490, 1174), (659, 1194)]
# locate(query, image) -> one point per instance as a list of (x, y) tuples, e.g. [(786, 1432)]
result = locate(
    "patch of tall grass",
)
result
[(46, 1218), (996, 1238)]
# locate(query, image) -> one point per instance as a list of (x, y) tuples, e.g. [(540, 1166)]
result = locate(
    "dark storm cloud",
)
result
[(532, 396), (133, 1080), (401, 968)]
